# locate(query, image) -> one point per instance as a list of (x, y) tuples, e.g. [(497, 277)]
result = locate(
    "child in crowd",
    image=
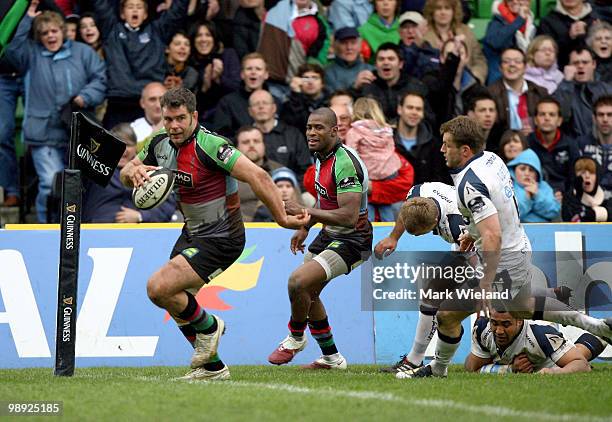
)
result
[(586, 201), (178, 72), (286, 182), (536, 199), (511, 144)]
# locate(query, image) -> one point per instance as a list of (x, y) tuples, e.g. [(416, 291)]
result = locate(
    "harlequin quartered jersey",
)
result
[(338, 172), (207, 194), (484, 188), (450, 223), (543, 344)]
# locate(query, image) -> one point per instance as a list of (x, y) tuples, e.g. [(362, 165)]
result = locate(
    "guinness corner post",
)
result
[(94, 153)]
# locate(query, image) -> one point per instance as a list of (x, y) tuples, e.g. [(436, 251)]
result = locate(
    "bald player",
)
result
[(341, 182)]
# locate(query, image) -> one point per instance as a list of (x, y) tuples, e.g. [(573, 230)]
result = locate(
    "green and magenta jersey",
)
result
[(206, 193), (340, 171)]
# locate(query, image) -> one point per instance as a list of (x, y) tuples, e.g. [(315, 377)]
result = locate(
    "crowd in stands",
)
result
[(393, 71)]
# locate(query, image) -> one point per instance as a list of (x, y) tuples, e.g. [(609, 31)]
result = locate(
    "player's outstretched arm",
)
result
[(387, 246), (265, 189), (134, 174), (473, 363), (572, 361)]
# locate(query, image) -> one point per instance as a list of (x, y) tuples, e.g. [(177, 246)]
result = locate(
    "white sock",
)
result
[(426, 328), (445, 350), (559, 312)]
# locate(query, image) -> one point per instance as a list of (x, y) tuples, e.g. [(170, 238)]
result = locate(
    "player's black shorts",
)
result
[(209, 256), (353, 248)]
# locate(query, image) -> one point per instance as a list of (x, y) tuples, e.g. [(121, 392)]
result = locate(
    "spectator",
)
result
[(63, 75), (556, 150), (511, 144), (390, 81), (90, 34), (72, 27), (444, 22), (511, 26), (598, 144), (453, 84), (419, 55), (178, 72), (349, 13), (542, 67), (134, 51), (586, 201), (218, 68), (344, 116), (149, 101), (11, 87), (308, 92), (341, 97), (294, 32), (289, 188), (113, 203), (483, 109), (284, 143), (250, 142), (600, 41), (567, 25), (535, 198), (380, 28), (347, 69), (578, 91), (415, 141), (233, 110), (515, 97), (246, 26)]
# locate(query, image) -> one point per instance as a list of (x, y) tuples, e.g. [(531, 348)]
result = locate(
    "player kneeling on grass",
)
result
[(504, 344), (344, 242), (213, 234)]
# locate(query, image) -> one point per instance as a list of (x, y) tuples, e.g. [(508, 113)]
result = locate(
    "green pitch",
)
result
[(264, 393)]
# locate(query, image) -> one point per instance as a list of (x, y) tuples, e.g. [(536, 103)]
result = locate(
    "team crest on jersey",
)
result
[(321, 190), (183, 179), (225, 153), (476, 204), (347, 182)]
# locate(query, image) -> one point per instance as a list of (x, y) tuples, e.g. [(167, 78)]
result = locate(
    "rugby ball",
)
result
[(155, 191)]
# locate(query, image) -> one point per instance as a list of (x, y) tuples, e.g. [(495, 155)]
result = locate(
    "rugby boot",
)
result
[(286, 350), (201, 374), (422, 372), (399, 365), (324, 362), (206, 345)]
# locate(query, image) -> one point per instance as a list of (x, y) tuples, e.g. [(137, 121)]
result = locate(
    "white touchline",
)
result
[(436, 403)]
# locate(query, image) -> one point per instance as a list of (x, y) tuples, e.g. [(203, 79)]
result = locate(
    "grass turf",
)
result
[(290, 393)]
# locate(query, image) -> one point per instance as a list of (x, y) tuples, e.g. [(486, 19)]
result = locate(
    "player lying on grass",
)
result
[(213, 235), (505, 344), (486, 197), (341, 181)]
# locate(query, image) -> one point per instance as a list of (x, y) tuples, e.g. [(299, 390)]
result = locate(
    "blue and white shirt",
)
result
[(451, 223)]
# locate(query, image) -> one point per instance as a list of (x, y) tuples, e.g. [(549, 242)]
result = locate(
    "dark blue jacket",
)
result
[(499, 36), (420, 60), (558, 164), (136, 57)]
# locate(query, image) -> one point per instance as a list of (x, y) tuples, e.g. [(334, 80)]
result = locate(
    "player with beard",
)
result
[(341, 181)]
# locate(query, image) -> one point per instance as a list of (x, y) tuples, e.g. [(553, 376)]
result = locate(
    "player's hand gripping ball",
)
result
[(155, 191)]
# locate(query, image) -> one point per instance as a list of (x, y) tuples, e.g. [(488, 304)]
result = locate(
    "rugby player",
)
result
[(486, 197), (505, 344), (341, 181), (213, 235), (428, 207)]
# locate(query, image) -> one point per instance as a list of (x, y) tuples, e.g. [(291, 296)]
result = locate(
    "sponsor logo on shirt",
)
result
[(347, 182), (183, 179), (321, 190), (225, 153), (476, 204)]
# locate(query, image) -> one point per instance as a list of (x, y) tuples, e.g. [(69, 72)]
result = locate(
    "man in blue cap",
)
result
[(347, 70)]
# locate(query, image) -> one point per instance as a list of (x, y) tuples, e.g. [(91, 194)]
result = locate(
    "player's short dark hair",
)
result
[(603, 100), (549, 100), (244, 129), (328, 114), (390, 46), (177, 97), (465, 131), (407, 93), (480, 96)]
